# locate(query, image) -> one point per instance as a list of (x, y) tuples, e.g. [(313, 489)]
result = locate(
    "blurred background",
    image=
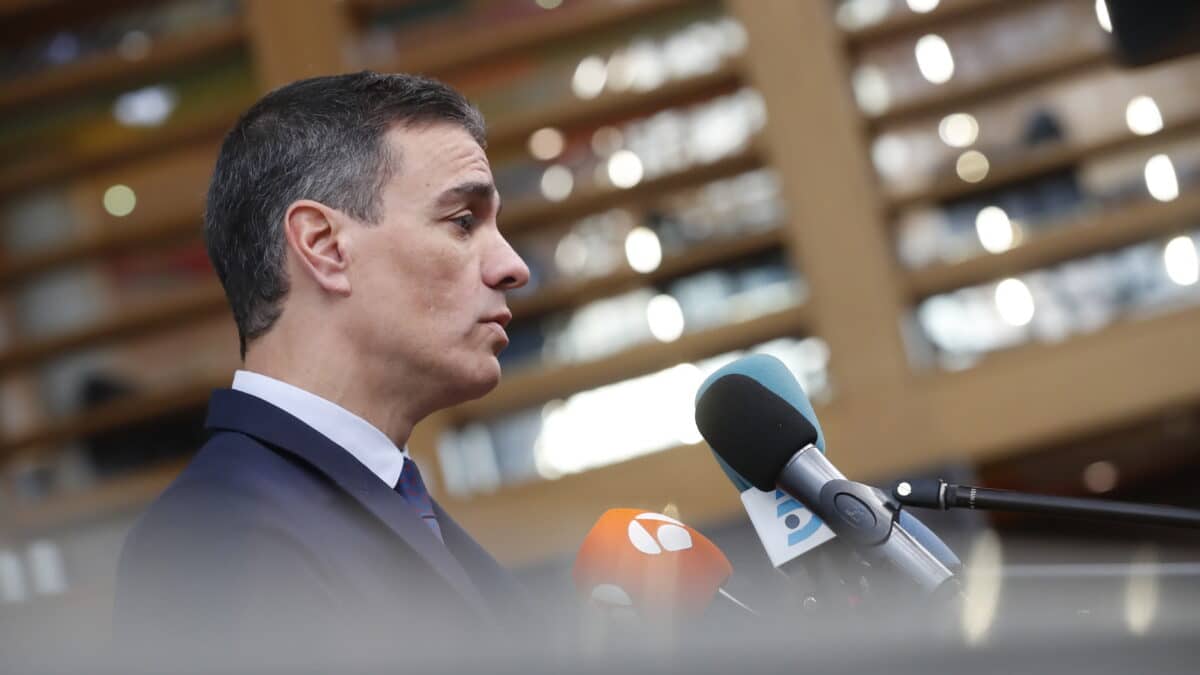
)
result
[(968, 229)]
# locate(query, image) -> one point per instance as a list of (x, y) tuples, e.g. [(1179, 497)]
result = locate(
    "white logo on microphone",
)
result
[(670, 536)]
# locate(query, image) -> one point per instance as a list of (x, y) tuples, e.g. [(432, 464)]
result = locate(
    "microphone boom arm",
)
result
[(932, 493)]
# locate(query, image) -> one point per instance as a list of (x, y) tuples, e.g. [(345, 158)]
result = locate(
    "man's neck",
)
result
[(348, 385)]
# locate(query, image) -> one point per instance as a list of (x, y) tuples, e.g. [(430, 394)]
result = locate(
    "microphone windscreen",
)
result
[(753, 429), (773, 374), (650, 562)]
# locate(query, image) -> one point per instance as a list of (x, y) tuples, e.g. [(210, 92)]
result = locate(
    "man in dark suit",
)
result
[(352, 222)]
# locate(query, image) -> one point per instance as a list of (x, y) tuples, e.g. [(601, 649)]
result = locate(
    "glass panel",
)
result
[(896, 73), (997, 220), (129, 32), (603, 426), (627, 154), (1049, 305)]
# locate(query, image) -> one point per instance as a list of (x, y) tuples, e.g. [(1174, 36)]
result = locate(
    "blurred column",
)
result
[(291, 43), (838, 233)]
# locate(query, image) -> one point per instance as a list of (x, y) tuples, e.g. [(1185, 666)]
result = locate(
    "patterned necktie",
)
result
[(412, 489)]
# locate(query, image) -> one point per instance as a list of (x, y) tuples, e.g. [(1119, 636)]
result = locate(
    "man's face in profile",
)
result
[(430, 279)]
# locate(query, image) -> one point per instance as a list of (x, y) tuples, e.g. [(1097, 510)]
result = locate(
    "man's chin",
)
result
[(481, 382)]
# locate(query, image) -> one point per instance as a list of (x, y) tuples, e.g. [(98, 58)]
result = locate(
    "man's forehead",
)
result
[(442, 140), (442, 156)]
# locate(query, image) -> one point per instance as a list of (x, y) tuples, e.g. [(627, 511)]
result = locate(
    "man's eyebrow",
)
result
[(470, 191)]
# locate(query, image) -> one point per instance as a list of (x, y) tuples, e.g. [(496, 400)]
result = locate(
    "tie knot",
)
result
[(411, 484), (412, 488)]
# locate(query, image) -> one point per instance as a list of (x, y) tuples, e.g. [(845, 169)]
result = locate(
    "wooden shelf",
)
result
[(1135, 368), (904, 24), (956, 95), (574, 293), (15, 269), (115, 415), (111, 68), (1082, 235), (577, 113), (540, 384), (439, 53), (174, 310), (532, 213), (24, 19), (1038, 161), (126, 493), (37, 171), (512, 130), (523, 388), (10, 7)]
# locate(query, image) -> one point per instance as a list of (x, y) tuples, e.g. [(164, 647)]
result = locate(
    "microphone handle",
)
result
[(855, 512), (826, 579)]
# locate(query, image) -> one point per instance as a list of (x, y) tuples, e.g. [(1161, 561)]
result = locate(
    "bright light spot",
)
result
[(134, 45), (1141, 592), (621, 71), (147, 107), (46, 568), (607, 140), (546, 143), (934, 59), (972, 166), (995, 230), (119, 200), (665, 317), (982, 585), (656, 410), (1100, 477), (855, 14), (958, 130), (549, 4), (570, 256), (647, 64), (1014, 302), (871, 89), (1181, 262), (890, 154), (733, 35), (922, 6), (589, 78), (687, 377), (557, 183), (1143, 116), (643, 250), (1102, 16), (1160, 178), (624, 169)]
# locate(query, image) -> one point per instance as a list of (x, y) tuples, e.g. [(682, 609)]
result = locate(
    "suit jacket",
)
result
[(274, 538)]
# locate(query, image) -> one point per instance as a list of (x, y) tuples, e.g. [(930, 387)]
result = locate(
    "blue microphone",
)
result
[(760, 389)]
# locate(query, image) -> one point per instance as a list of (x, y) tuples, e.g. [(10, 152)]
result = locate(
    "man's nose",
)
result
[(505, 270)]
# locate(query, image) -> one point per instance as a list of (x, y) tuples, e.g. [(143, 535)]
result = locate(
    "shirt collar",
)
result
[(360, 438)]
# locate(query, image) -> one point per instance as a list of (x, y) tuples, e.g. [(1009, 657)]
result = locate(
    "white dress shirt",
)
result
[(360, 438)]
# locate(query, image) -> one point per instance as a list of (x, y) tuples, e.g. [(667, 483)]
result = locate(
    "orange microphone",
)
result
[(650, 563)]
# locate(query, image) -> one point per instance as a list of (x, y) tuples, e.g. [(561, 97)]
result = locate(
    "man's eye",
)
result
[(465, 221)]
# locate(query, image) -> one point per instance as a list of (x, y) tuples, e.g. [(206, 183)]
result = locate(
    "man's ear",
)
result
[(315, 236)]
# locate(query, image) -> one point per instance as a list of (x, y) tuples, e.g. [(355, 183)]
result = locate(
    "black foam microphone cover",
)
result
[(755, 431)]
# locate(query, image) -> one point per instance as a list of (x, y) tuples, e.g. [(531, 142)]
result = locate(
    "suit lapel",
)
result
[(499, 585), (236, 411)]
